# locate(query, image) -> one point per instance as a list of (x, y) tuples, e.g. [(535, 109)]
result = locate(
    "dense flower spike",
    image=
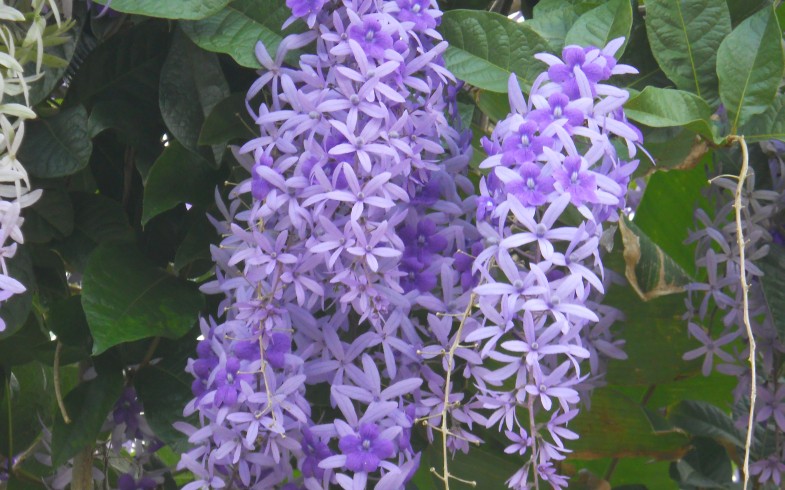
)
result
[(714, 307), (540, 279), (15, 190), (346, 222)]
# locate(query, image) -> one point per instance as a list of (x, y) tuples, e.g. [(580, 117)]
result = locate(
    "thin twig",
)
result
[(58, 392), (737, 206), (444, 429), (149, 354)]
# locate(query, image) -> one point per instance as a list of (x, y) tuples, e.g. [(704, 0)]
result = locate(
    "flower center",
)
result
[(535, 345), (369, 35), (366, 443), (525, 139), (530, 183), (574, 178), (354, 99), (557, 111), (540, 229), (416, 8)]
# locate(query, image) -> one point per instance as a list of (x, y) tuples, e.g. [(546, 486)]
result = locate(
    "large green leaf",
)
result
[(126, 298), (179, 175), (675, 195), (67, 320), (52, 216), (684, 37), (236, 29), (705, 420), (773, 281), (57, 146), (168, 9), (602, 24), (707, 465), (165, 388), (553, 25), (617, 426), (100, 218), (769, 125), (192, 83), (196, 245), (750, 63), (486, 47), (228, 120), (663, 107), (649, 270), (87, 405), (674, 148), (124, 67), (30, 387)]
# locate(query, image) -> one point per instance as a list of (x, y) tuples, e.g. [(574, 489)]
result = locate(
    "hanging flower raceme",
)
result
[(325, 246), (555, 178), (16, 41), (715, 311)]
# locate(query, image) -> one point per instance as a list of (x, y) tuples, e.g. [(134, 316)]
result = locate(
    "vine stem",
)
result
[(737, 206), (58, 392), (444, 429)]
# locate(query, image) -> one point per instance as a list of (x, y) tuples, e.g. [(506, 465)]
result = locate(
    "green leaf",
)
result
[(675, 195), (741, 9), (674, 148), (553, 25), (495, 105), (773, 266), (100, 218), (178, 175), (664, 107), (168, 9), (486, 47), (684, 36), (192, 83), (164, 389), (602, 24), (229, 120), (707, 465), (132, 121), (57, 146), (124, 67), (127, 298), (16, 309), (87, 405), (705, 420), (31, 404), (617, 426), (655, 336), (236, 29), (750, 63), (196, 244), (67, 320), (650, 271), (52, 216), (769, 125)]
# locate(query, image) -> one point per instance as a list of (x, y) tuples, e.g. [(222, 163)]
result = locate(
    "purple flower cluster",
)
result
[(555, 178), (714, 306), (346, 224)]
